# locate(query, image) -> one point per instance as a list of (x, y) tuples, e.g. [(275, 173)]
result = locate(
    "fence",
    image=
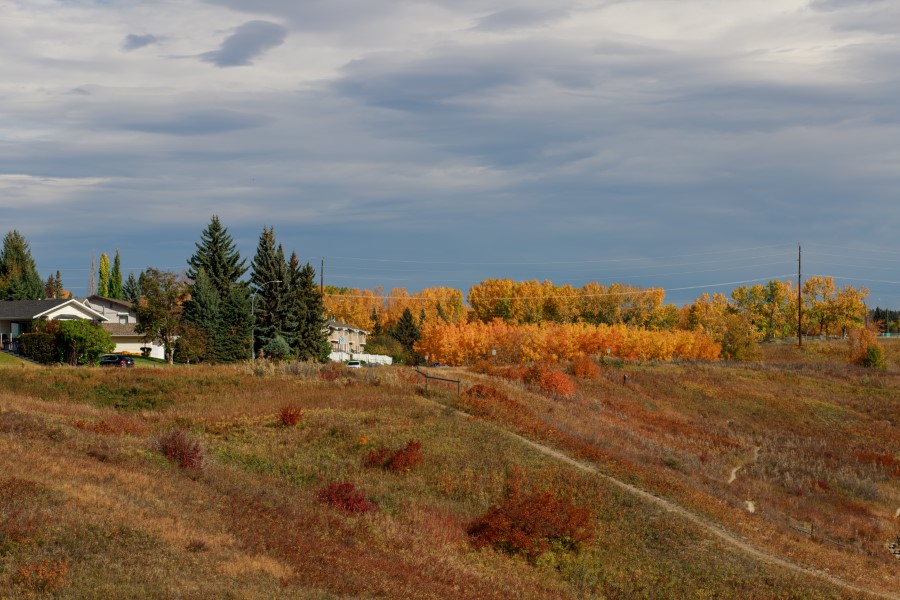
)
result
[(428, 377)]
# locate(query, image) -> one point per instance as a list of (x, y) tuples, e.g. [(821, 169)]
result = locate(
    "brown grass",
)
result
[(250, 525)]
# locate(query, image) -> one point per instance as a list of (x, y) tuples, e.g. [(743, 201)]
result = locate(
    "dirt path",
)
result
[(707, 525)]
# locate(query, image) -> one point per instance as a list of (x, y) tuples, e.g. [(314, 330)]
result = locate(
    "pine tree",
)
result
[(131, 291), (204, 313), (217, 255), (19, 279), (269, 284), (103, 276), (310, 341), (115, 278)]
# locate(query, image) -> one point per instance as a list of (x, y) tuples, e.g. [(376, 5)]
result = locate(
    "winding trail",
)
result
[(702, 522)]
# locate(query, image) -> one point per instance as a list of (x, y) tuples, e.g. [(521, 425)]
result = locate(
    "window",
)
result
[(123, 319)]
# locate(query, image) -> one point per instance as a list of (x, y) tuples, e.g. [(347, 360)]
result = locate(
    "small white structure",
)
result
[(372, 359)]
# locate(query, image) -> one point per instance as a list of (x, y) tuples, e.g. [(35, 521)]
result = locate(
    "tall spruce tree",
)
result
[(103, 276), (269, 284), (115, 278), (406, 331), (203, 311), (217, 255), (19, 279), (236, 324), (216, 268), (131, 291), (310, 341)]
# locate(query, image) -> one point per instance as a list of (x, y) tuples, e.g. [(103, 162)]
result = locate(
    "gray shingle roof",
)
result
[(25, 310)]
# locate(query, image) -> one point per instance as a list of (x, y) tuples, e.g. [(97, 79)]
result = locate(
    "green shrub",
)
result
[(40, 347), (874, 358)]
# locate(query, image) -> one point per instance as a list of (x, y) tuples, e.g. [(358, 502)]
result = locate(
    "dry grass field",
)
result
[(250, 503)]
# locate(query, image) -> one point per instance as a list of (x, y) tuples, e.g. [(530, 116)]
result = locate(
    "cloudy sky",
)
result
[(688, 144)]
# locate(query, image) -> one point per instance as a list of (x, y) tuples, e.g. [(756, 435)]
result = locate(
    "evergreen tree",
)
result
[(441, 314), (406, 331), (376, 323), (115, 278), (236, 325), (19, 279), (203, 312), (131, 291), (103, 276), (269, 284), (54, 287), (310, 341), (217, 255)]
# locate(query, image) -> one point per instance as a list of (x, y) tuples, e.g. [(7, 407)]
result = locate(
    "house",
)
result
[(120, 322), (115, 316), (16, 316), (345, 338)]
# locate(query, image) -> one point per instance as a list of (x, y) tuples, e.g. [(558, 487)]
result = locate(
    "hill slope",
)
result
[(88, 505)]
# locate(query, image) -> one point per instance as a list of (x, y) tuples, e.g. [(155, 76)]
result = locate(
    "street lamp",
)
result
[(253, 314)]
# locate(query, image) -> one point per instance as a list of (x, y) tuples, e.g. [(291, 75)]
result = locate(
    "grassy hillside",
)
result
[(89, 506)]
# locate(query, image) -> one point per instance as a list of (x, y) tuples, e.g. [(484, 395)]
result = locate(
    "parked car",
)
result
[(116, 360), (354, 364)]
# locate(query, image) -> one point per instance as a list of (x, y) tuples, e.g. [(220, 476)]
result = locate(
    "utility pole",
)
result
[(799, 302), (93, 271), (322, 278)]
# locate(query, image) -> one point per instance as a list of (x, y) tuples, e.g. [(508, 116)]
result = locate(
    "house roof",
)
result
[(99, 299), (119, 328), (333, 324), (27, 309)]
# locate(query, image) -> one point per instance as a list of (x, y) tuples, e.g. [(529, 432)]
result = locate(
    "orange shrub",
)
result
[(468, 343), (551, 382), (585, 368), (45, 577)]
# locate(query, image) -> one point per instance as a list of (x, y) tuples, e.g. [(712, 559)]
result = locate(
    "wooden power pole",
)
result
[(799, 302)]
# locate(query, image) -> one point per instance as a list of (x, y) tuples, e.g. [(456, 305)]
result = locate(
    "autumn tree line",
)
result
[(533, 320), (212, 312)]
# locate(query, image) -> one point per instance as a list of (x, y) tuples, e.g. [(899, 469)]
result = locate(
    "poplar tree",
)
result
[(115, 278), (103, 276), (19, 279)]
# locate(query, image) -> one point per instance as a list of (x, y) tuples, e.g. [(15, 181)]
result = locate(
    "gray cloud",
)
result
[(248, 41), (519, 18), (205, 122), (134, 41)]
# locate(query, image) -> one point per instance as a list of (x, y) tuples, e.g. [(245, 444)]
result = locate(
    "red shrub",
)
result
[(530, 523), (290, 415), (551, 382), (401, 459), (181, 449), (585, 368), (377, 458), (404, 459), (346, 497), (332, 371)]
